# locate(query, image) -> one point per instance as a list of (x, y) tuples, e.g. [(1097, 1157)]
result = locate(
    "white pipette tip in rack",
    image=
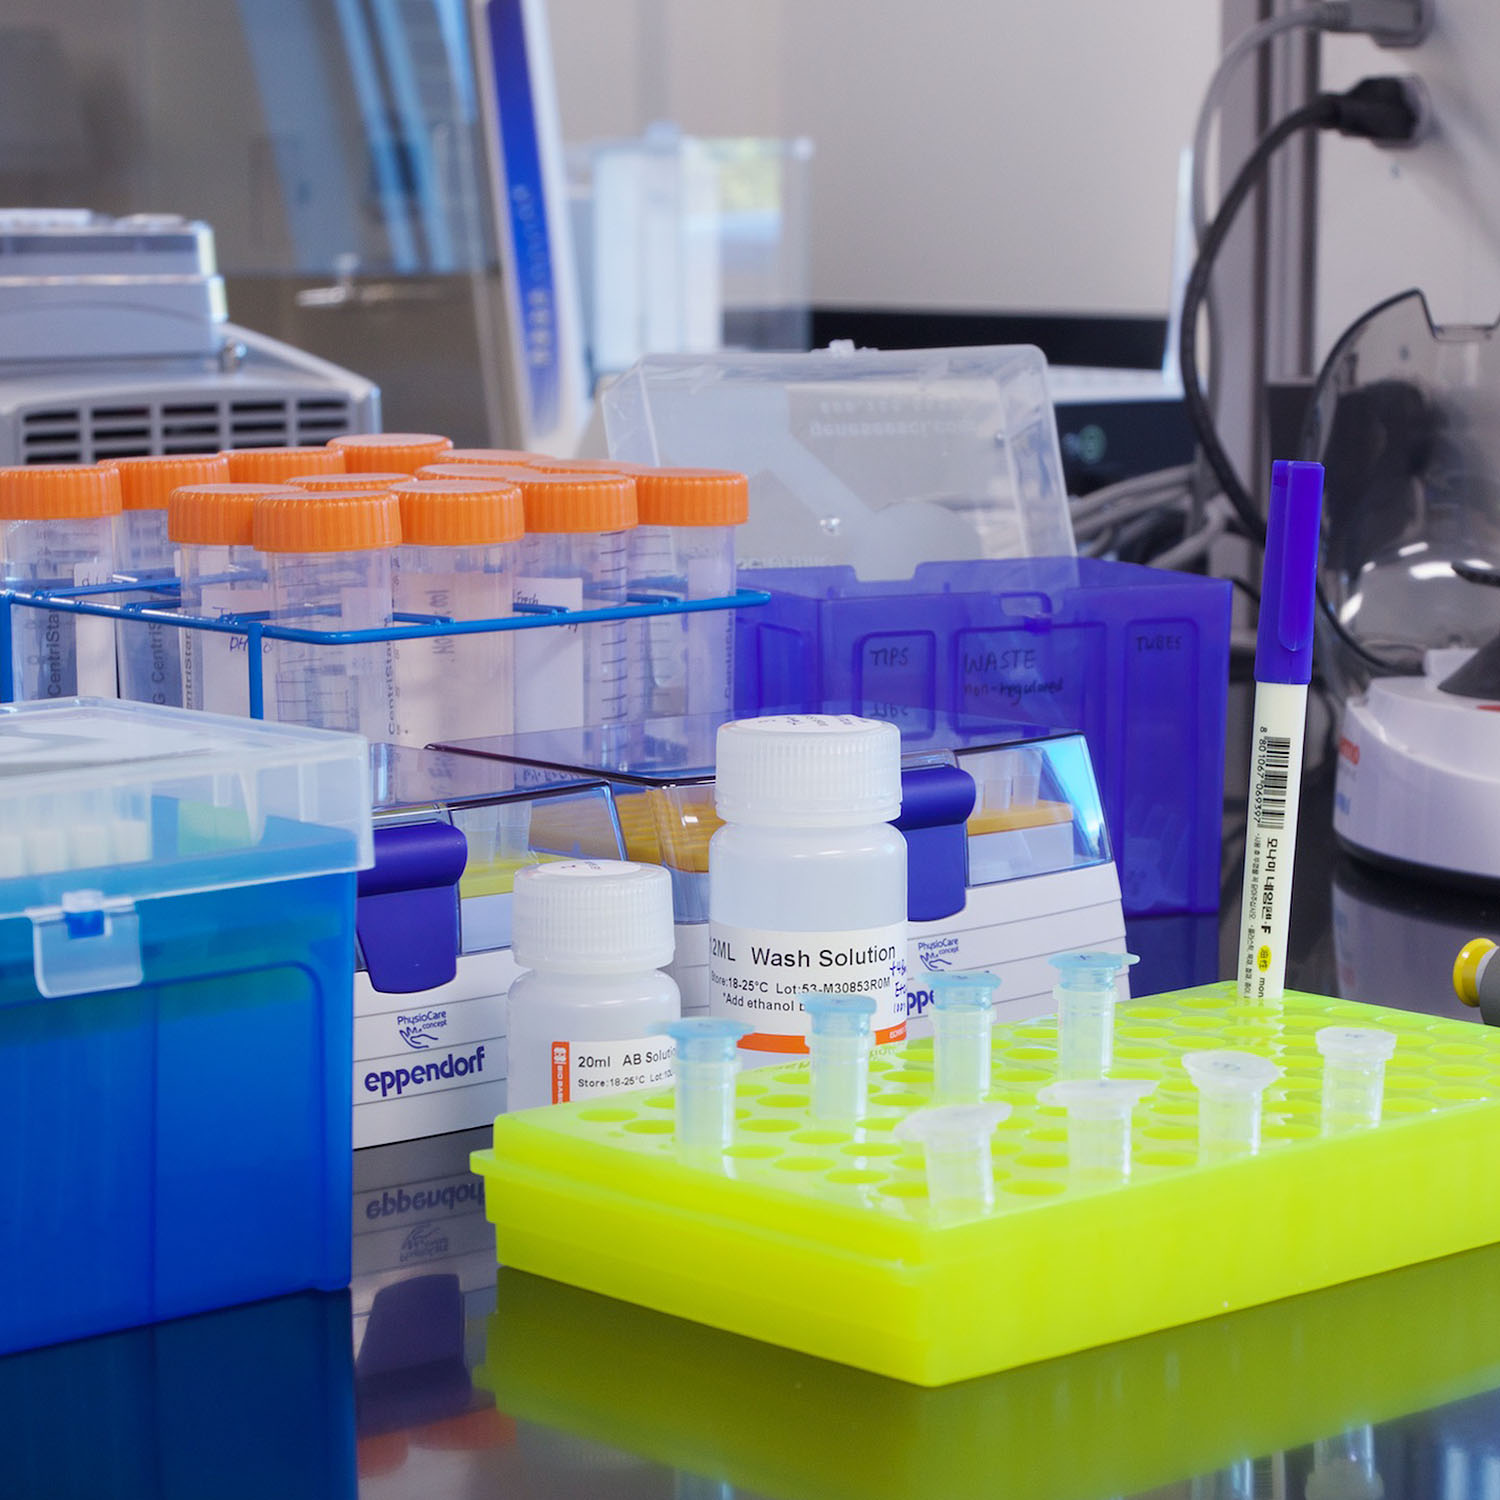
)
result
[(1230, 1089), (955, 1141), (962, 1015), (838, 1044), (1086, 990), (1354, 1059), (705, 1067), (1099, 1111)]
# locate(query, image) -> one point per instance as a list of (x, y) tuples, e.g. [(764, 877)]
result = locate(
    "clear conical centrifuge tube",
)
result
[(955, 1141), (1354, 1059), (1230, 1086), (961, 1021), (838, 1046), (707, 1061), (1085, 992), (1098, 1124)]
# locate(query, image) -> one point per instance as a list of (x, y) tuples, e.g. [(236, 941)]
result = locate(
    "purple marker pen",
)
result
[(1283, 668)]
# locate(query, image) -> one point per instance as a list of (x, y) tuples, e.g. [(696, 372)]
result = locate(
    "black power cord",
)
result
[(1375, 109)]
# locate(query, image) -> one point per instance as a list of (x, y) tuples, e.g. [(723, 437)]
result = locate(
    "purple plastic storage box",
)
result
[(1136, 658)]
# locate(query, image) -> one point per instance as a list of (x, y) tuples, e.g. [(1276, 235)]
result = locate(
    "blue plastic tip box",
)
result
[(1137, 658), (176, 975)]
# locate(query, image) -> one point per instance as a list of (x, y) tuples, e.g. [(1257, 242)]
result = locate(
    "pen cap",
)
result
[(1284, 640)]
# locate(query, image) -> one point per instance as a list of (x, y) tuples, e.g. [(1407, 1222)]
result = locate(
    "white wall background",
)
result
[(1006, 155)]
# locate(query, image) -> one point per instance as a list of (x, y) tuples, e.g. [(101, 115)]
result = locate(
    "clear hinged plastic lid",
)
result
[(106, 802), (881, 460)]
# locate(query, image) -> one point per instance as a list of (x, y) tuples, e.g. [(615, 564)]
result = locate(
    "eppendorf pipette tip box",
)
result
[(823, 1239)]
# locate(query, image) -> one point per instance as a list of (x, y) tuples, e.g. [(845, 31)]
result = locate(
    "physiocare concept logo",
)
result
[(421, 1029), (937, 954)]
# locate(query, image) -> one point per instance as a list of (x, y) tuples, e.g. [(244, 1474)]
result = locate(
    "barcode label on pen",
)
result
[(1275, 767)]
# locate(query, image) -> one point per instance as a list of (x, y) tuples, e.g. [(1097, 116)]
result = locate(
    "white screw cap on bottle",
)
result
[(808, 771), (592, 916)]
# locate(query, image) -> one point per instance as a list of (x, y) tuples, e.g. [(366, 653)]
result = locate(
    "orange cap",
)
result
[(510, 473), (147, 483), (55, 492), (580, 466), (692, 497), (407, 451), (459, 513), (347, 521), (216, 515), (277, 465), (347, 482), (576, 502), (492, 456)]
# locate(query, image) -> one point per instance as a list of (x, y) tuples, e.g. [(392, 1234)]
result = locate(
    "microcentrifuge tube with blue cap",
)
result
[(1086, 991), (956, 1146), (707, 1061), (1230, 1088), (961, 1021), (1354, 1059), (838, 1045), (1099, 1112)]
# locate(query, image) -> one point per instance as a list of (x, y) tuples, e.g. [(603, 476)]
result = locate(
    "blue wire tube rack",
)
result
[(257, 628)]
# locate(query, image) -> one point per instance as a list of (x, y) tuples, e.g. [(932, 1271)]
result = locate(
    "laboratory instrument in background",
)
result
[(1009, 859), (585, 1020), (1402, 418), (114, 342), (176, 949), (1476, 980), (686, 244), (806, 877)]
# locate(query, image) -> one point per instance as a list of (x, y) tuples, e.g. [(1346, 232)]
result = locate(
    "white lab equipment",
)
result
[(807, 878), (57, 531), (956, 1142), (574, 556), (594, 933), (838, 1045), (1231, 1086), (460, 542), (705, 1068), (150, 655), (684, 549), (1086, 991), (329, 559), (278, 465), (220, 573), (962, 1015), (1354, 1059), (1099, 1111), (370, 452)]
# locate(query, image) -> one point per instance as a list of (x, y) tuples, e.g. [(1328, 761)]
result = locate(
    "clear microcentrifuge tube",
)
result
[(1354, 1059), (1230, 1086), (705, 1068), (961, 1021), (955, 1141), (1098, 1124), (838, 1047), (1085, 992)]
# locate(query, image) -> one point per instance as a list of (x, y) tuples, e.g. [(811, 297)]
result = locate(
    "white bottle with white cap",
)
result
[(594, 933), (807, 878)]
